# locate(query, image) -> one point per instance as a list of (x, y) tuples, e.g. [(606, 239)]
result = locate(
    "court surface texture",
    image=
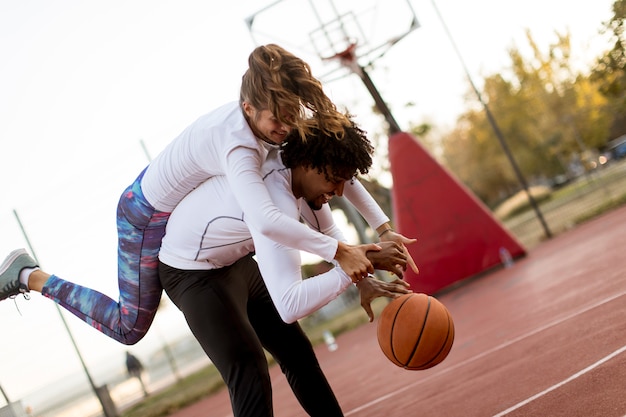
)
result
[(546, 337)]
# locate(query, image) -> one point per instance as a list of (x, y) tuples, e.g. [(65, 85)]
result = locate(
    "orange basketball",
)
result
[(415, 331)]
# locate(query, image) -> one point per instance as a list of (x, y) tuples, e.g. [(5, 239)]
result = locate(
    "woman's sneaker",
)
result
[(10, 284)]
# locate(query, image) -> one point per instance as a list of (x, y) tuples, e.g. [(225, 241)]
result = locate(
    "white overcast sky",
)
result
[(82, 83)]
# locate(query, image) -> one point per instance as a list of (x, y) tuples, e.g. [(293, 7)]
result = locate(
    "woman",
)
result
[(278, 94)]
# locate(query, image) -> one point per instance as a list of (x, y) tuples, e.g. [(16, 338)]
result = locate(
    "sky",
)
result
[(89, 91)]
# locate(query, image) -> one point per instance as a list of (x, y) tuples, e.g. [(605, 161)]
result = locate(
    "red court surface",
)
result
[(546, 338)]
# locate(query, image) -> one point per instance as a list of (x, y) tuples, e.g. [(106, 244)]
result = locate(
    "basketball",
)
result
[(415, 331)]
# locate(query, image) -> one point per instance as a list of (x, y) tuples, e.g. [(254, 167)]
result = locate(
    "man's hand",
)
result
[(392, 236), (371, 288), (391, 257), (353, 259)]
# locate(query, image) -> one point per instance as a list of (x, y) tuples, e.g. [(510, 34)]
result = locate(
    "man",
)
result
[(236, 307), (135, 369)]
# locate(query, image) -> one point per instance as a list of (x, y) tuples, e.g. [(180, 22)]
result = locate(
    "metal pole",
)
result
[(4, 394), (145, 149), (380, 103), (497, 131), (69, 332)]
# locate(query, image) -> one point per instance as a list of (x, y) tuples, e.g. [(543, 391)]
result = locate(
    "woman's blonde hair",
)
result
[(282, 83)]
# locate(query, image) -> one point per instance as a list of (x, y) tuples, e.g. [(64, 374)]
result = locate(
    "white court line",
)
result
[(485, 353), (560, 384)]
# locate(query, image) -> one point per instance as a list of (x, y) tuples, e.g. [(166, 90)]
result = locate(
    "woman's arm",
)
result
[(262, 215)]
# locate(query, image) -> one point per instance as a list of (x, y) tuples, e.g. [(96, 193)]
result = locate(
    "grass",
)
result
[(602, 208), (186, 392), (520, 202), (571, 205)]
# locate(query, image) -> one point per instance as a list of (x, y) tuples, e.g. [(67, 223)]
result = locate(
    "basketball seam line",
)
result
[(443, 346), (395, 317), (419, 339)]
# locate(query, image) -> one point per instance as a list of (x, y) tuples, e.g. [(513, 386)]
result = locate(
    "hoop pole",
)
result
[(378, 99)]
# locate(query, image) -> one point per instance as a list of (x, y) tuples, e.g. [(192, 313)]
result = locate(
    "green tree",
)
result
[(610, 69), (548, 114)]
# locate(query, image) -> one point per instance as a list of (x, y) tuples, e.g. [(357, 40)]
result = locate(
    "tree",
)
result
[(548, 114), (610, 69)]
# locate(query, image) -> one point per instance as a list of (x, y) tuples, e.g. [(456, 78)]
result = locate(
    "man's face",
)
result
[(266, 125), (317, 189)]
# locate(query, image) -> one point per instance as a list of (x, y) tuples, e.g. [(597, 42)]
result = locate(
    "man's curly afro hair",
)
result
[(338, 159)]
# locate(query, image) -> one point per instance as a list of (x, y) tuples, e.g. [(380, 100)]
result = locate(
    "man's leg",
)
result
[(294, 353), (214, 303)]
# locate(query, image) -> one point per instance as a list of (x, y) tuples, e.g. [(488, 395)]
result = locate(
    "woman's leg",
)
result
[(214, 303), (140, 231)]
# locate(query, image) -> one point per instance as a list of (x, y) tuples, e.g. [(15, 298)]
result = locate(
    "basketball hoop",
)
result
[(347, 58), (349, 32)]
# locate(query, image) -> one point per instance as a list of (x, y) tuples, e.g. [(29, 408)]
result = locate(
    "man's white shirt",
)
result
[(221, 143), (207, 230)]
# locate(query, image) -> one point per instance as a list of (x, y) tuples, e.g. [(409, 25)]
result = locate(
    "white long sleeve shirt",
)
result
[(222, 143), (208, 230)]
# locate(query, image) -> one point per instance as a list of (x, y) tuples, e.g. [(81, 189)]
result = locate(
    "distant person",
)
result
[(278, 95), (135, 369), (236, 307)]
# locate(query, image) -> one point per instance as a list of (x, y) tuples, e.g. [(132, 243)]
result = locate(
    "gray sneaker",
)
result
[(10, 284)]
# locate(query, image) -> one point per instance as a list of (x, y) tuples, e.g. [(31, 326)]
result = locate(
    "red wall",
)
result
[(458, 237)]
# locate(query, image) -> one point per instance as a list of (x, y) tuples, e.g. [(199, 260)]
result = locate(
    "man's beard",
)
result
[(312, 205)]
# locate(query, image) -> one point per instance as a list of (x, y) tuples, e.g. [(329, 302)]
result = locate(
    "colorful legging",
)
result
[(140, 230)]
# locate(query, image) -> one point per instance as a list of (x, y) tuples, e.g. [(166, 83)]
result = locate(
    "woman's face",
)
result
[(265, 125)]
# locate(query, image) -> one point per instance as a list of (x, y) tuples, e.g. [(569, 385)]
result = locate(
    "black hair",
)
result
[(338, 158)]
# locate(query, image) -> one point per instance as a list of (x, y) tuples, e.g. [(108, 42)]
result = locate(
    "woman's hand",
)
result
[(353, 260)]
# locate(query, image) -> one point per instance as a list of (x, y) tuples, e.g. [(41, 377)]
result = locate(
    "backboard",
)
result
[(359, 31)]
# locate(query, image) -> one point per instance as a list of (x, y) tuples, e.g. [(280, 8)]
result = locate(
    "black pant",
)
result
[(231, 314)]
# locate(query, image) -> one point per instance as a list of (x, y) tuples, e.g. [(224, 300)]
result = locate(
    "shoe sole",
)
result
[(10, 259)]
